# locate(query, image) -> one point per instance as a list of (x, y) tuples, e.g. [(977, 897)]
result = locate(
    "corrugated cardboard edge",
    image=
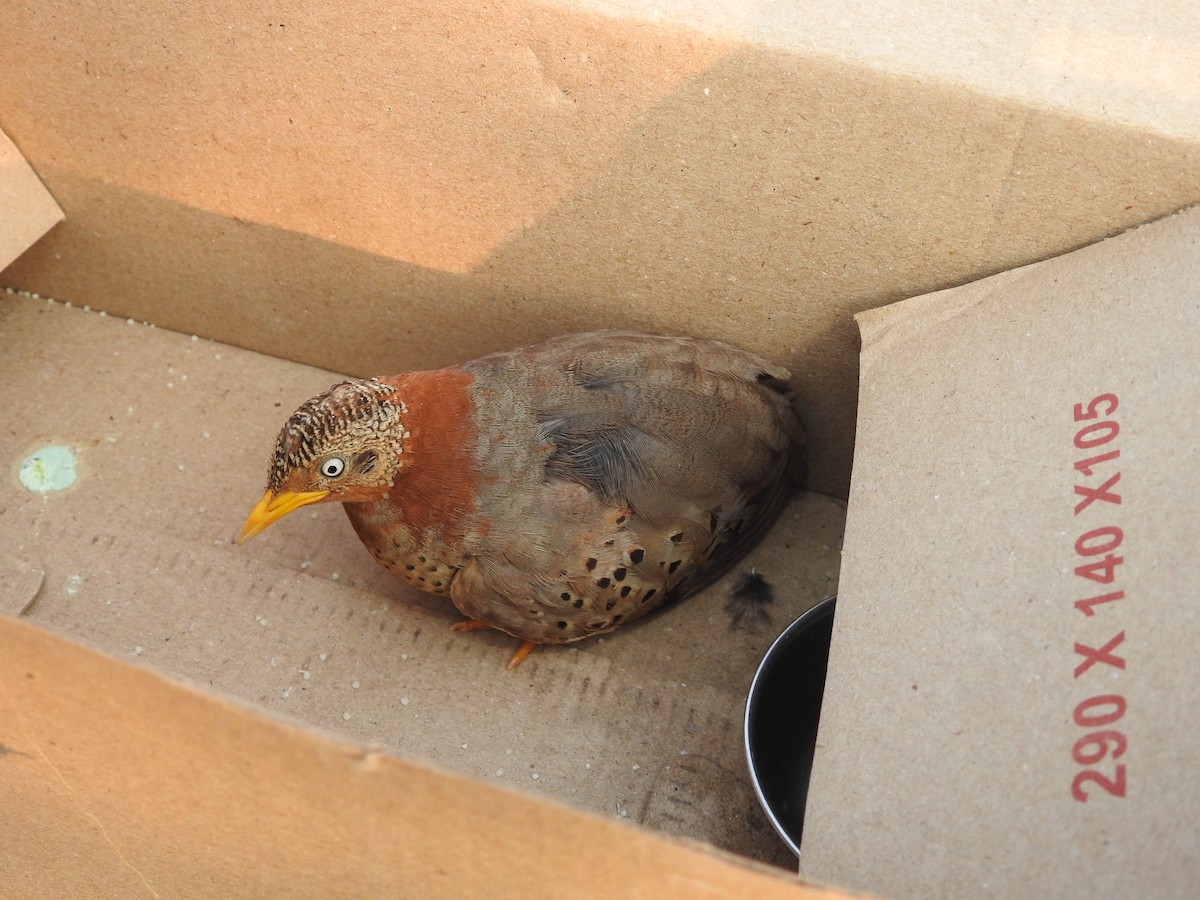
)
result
[(152, 787), (885, 327), (27, 211)]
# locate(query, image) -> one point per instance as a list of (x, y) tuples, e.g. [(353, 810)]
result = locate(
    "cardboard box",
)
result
[(1015, 641), (133, 453), (367, 190)]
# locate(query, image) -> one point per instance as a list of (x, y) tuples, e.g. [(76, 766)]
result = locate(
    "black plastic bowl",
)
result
[(782, 713)]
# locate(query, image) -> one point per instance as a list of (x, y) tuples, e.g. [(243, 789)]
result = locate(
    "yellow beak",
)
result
[(273, 507)]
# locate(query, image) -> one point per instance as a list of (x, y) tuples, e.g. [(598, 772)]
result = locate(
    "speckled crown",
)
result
[(352, 406)]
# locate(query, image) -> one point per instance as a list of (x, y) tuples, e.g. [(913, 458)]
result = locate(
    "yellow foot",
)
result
[(479, 625), (470, 625), (523, 651)]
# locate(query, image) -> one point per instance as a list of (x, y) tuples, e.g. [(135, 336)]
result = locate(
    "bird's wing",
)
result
[(669, 422)]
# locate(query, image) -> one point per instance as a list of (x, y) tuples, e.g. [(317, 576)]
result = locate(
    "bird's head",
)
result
[(345, 445)]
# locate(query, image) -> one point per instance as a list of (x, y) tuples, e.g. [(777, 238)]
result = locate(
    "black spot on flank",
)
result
[(617, 618), (421, 559), (565, 596), (650, 593), (619, 574), (591, 563), (603, 582), (673, 566), (578, 604), (610, 604), (437, 584), (636, 556), (620, 520), (677, 537), (561, 624), (626, 591), (410, 567)]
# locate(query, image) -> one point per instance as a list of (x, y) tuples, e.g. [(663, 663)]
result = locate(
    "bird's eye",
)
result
[(333, 467)]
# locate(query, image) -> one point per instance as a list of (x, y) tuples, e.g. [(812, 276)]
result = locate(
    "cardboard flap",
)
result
[(150, 787), (27, 211), (1016, 629)]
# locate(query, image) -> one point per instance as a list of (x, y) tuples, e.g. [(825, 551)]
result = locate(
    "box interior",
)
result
[(172, 436), (374, 191), (260, 201)]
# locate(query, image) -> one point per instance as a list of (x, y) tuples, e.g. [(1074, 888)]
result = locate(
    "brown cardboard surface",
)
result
[(27, 211), (964, 668), (116, 782), (173, 435), (371, 190), (1102, 60)]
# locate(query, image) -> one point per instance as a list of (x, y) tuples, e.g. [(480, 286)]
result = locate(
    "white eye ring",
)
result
[(333, 467)]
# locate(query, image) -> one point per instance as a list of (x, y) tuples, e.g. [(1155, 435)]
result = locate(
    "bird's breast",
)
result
[(422, 527), (424, 559)]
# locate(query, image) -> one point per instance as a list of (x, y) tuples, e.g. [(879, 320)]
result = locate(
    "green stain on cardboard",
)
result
[(49, 469)]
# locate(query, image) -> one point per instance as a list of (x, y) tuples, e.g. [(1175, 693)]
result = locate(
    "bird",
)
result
[(557, 491)]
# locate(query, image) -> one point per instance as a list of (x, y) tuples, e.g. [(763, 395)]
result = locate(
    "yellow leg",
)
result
[(523, 651), (470, 625), (479, 625)]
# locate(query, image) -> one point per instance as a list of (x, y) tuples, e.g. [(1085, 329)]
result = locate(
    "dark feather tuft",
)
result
[(748, 601)]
